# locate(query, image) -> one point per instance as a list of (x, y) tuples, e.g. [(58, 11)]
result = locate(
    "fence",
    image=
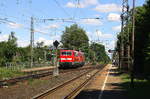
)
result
[(24, 65)]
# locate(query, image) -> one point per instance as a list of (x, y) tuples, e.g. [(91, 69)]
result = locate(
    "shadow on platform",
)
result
[(114, 72), (107, 94), (118, 92)]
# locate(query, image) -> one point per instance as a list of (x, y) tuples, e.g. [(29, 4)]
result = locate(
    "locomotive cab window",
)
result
[(66, 53)]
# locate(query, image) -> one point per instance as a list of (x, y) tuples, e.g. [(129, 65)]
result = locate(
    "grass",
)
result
[(36, 82), (140, 90), (8, 73)]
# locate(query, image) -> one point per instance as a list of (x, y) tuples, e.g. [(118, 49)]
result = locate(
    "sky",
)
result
[(15, 15)]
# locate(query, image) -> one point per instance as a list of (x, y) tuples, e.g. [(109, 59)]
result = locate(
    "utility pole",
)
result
[(128, 45), (45, 58), (31, 41), (133, 37), (124, 18)]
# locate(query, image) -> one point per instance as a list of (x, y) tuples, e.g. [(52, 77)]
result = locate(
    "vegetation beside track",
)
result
[(6, 73), (140, 90), (142, 41)]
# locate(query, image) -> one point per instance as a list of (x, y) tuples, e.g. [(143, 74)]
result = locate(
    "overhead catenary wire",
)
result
[(56, 1), (59, 5), (76, 9)]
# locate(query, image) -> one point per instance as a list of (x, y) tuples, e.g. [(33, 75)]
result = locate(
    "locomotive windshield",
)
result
[(66, 53)]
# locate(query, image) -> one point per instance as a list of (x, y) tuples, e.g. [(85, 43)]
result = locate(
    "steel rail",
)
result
[(49, 91), (74, 92), (35, 76)]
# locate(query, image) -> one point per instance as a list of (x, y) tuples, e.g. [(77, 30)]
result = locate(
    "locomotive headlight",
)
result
[(65, 58), (68, 58)]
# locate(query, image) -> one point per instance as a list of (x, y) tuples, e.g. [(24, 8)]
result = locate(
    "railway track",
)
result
[(58, 91), (34, 76), (23, 78), (72, 94)]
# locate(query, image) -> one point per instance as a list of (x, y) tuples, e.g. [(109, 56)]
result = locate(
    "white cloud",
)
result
[(52, 26), (45, 29), (90, 35), (108, 8), (39, 30), (90, 2), (111, 45), (46, 42), (22, 43), (91, 21), (116, 28), (98, 35), (113, 17), (15, 25), (4, 37), (82, 4), (103, 35), (70, 5)]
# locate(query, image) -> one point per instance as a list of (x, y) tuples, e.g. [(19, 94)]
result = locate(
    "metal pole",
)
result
[(121, 45), (45, 55), (133, 37), (56, 69), (124, 19), (31, 42), (121, 41), (128, 32)]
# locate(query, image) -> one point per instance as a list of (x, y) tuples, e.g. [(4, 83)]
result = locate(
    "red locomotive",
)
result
[(71, 58)]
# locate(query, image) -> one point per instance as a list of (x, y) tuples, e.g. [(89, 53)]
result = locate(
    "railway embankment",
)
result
[(32, 87)]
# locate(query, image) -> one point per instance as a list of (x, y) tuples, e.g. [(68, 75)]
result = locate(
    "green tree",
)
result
[(74, 37), (8, 49), (39, 52), (3, 47), (142, 39), (23, 54), (99, 53)]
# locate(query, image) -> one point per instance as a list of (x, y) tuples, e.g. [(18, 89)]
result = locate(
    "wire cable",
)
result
[(59, 5)]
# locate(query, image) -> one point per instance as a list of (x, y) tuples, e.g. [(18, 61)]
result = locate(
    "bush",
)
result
[(8, 73)]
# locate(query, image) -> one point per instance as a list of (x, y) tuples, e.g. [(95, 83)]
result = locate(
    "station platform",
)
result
[(38, 69), (106, 85)]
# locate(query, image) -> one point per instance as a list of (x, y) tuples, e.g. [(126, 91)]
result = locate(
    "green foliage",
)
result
[(8, 49), (74, 37), (142, 39), (98, 54), (140, 90), (23, 53), (11, 53), (39, 52), (8, 73)]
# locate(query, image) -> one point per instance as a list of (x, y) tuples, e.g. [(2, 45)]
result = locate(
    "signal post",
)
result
[(56, 69)]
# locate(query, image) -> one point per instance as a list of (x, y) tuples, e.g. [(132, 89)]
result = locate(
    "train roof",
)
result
[(71, 51), (66, 50)]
